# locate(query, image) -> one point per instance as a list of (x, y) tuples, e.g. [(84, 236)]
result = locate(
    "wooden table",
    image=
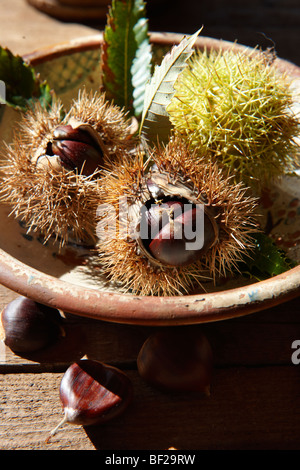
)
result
[(254, 401)]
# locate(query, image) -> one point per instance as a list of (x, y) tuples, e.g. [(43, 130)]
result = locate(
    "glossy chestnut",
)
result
[(176, 232), (177, 359), (92, 392), (76, 148), (28, 326)]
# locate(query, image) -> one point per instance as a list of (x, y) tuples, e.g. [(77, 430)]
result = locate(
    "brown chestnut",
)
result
[(76, 149), (176, 233), (29, 326), (157, 216), (92, 392), (177, 359)]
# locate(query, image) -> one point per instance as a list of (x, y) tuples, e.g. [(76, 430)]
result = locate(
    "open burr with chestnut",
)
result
[(172, 222), (52, 169)]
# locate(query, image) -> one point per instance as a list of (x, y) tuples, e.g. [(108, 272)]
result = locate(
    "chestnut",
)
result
[(29, 326), (177, 359), (92, 392), (171, 233), (157, 216), (76, 148)]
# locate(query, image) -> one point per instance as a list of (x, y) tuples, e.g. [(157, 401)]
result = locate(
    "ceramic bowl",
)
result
[(58, 279)]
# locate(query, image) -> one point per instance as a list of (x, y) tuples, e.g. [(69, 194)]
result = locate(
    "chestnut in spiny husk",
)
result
[(173, 222), (28, 326), (52, 170), (169, 228), (242, 108), (76, 149)]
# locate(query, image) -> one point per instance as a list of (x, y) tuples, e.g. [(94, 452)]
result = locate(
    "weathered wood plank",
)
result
[(249, 408), (234, 342)]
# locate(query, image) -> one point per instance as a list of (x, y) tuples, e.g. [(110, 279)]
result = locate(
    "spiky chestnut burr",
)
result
[(51, 171), (140, 194), (240, 108)]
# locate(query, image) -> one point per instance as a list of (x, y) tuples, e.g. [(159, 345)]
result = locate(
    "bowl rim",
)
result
[(146, 310)]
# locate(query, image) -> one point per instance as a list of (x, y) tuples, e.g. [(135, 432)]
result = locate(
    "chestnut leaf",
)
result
[(126, 55), (22, 84), (155, 123), (266, 260)]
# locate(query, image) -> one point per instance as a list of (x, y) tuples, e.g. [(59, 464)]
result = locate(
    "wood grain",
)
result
[(254, 400), (241, 413)]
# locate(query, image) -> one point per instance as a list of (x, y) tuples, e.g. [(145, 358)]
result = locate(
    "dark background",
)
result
[(265, 23)]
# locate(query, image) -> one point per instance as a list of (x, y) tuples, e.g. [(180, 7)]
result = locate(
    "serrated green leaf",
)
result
[(22, 84), (155, 123), (266, 260), (141, 67), (126, 54)]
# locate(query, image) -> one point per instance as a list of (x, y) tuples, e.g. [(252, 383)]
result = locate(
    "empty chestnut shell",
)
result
[(92, 393), (177, 359), (28, 326)]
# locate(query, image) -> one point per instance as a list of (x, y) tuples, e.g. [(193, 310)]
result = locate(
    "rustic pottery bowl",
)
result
[(73, 10), (58, 279)]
